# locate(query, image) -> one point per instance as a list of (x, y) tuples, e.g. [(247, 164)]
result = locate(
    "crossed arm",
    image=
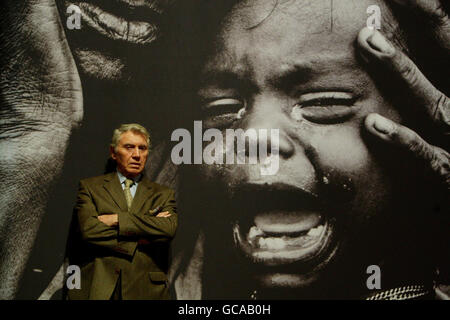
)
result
[(121, 232)]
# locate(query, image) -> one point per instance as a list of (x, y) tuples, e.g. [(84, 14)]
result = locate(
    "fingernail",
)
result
[(378, 42), (383, 125)]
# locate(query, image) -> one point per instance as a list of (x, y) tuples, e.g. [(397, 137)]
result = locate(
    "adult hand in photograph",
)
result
[(41, 104), (431, 102)]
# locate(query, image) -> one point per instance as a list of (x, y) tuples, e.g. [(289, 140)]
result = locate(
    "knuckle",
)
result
[(408, 70), (442, 160), (440, 17), (441, 110), (417, 145), (440, 164)]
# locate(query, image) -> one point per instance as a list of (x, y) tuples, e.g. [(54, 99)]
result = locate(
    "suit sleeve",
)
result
[(93, 230), (149, 226)]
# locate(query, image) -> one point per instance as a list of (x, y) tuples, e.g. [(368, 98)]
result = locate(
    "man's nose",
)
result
[(136, 153)]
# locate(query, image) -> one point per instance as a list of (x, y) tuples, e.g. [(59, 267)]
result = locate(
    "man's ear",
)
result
[(112, 152)]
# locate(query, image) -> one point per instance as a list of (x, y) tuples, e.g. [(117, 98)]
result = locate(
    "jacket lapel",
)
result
[(142, 194), (112, 185)]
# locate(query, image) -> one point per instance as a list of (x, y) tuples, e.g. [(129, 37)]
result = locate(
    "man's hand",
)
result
[(428, 100), (110, 220), (143, 241), (424, 98), (164, 214)]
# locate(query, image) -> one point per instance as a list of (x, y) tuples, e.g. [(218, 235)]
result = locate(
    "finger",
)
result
[(437, 159), (103, 220), (374, 46), (163, 214), (434, 12)]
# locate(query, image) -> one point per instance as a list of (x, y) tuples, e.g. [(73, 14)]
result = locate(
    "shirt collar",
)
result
[(122, 177)]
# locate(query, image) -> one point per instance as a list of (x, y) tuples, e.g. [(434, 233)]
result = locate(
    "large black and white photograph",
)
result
[(225, 150)]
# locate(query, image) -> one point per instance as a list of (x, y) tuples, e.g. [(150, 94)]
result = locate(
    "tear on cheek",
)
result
[(336, 189)]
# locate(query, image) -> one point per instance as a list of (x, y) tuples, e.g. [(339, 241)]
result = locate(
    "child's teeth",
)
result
[(254, 232), (314, 232), (256, 237), (271, 243)]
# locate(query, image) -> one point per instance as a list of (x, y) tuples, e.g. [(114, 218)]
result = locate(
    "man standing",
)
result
[(124, 226)]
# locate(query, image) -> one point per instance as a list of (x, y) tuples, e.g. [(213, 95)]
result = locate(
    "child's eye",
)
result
[(324, 107), (221, 112), (223, 106)]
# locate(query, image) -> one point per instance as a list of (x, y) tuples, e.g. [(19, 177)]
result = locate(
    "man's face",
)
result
[(294, 68), (131, 154)]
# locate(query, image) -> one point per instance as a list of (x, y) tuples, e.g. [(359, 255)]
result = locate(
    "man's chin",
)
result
[(133, 172)]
